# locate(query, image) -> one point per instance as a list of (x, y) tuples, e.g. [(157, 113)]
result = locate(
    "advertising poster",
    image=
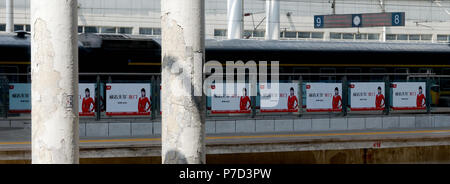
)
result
[(19, 98), (283, 99), (228, 101), (86, 99), (367, 96), (409, 95), (128, 99), (323, 97)]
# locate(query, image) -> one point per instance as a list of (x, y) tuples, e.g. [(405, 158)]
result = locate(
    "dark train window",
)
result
[(125, 30), (108, 29), (2, 27), (90, 29), (18, 27), (220, 32)]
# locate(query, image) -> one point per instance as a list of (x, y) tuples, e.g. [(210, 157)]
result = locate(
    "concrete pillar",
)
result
[(272, 19), (54, 87), (383, 34), (9, 16), (183, 101), (235, 19)]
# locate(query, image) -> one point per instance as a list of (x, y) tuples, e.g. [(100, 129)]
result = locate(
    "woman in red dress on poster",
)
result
[(88, 102), (420, 98), (143, 101), (337, 100), (292, 101), (379, 101), (245, 102)]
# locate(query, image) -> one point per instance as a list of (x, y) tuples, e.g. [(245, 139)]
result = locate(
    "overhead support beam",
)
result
[(272, 20), (9, 16), (54, 86), (183, 100), (235, 19)]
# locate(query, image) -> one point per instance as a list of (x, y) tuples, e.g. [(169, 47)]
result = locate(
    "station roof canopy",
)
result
[(98, 40)]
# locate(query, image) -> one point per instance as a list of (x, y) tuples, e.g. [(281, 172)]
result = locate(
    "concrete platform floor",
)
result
[(15, 143)]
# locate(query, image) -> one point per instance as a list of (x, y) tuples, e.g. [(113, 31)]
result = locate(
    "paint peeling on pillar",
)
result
[(183, 133)]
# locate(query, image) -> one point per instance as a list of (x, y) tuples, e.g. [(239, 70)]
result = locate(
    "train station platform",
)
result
[(129, 127), (424, 145)]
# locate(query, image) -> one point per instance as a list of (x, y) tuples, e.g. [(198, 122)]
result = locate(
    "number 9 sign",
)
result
[(318, 21)]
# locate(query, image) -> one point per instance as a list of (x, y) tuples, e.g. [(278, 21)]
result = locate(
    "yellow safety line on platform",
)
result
[(15, 62), (254, 136)]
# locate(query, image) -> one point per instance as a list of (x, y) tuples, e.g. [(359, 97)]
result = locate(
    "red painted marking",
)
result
[(128, 113), (279, 110), (231, 112), (367, 109)]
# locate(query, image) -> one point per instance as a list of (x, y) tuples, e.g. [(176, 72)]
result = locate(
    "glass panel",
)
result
[(90, 29), (80, 29), (348, 36), (220, 32), (18, 27), (290, 34), (2, 27), (28, 28), (125, 30), (156, 31), (391, 37), (108, 29), (414, 37), (304, 34), (425, 37), (317, 35), (373, 36), (442, 37), (259, 33), (145, 31), (248, 33), (335, 35), (402, 37), (362, 36)]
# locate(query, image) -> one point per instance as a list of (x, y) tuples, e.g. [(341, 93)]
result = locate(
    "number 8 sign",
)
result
[(398, 19)]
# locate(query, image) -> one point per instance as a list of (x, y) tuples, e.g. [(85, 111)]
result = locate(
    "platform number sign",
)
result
[(318, 21), (398, 19)]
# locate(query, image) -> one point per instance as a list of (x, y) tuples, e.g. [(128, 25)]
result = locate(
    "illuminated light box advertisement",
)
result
[(367, 96), (409, 95), (283, 99), (128, 99), (86, 99), (323, 97), (228, 101), (19, 98)]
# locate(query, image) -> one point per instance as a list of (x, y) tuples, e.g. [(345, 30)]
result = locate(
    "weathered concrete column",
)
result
[(272, 19), (183, 101), (54, 87), (235, 19), (9, 16)]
